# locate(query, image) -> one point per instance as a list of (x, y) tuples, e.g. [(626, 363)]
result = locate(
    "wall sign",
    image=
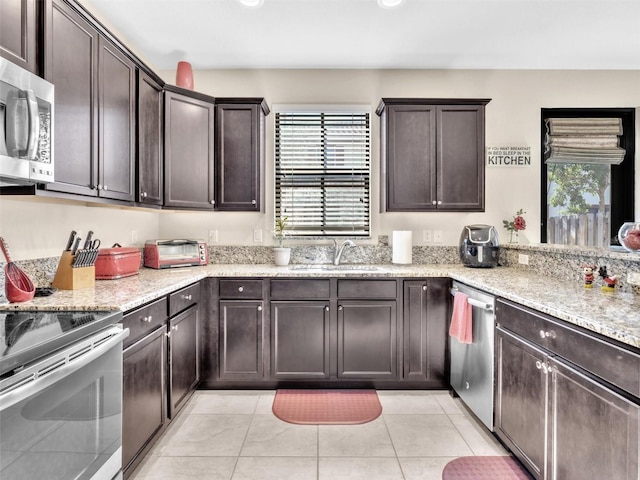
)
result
[(509, 156)]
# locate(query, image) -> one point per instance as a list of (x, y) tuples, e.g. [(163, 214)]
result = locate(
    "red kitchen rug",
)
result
[(484, 468), (326, 407)]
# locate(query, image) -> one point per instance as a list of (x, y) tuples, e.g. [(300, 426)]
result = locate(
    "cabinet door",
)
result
[(460, 160), (188, 152), (116, 87), (593, 431), (411, 158), (521, 401), (415, 330), (367, 339), (144, 410), (150, 152), (238, 148), (184, 357), (19, 33), (241, 340), (300, 339), (71, 65)]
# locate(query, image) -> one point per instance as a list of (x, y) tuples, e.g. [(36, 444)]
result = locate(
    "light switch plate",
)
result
[(257, 235), (437, 236), (427, 236), (213, 236)]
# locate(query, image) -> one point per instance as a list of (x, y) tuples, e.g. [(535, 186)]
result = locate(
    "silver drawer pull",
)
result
[(326, 309), (259, 308), (147, 319), (186, 297), (175, 328), (424, 288), (241, 289), (549, 334)]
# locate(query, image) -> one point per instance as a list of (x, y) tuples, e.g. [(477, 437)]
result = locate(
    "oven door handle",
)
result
[(61, 365)]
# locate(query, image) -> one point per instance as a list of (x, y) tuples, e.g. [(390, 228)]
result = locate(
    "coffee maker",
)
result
[(479, 246)]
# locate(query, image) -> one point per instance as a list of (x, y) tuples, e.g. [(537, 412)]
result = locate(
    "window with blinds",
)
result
[(322, 177)]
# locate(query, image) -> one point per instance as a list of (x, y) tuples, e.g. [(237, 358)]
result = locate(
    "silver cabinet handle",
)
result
[(549, 334), (143, 194), (253, 202), (326, 309), (213, 202), (186, 297), (543, 366), (104, 187), (259, 308), (147, 319), (241, 289), (439, 202), (175, 328), (99, 187), (424, 288), (340, 308), (434, 202)]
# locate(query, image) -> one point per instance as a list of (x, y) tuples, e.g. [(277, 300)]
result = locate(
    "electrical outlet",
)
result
[(257, 235), (213, 236), (134, 237), (523, 259), (427, 236), (437, 236)]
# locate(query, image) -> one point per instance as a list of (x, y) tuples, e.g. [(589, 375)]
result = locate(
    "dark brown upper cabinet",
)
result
[(188, 149), (432, 154), (150, 153), (94, 110), (19, 32), (239, 153)]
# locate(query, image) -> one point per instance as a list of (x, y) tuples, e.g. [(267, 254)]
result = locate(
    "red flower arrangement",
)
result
[(518, 223)]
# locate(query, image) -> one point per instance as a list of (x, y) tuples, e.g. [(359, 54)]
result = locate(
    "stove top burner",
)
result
[(26, 336)]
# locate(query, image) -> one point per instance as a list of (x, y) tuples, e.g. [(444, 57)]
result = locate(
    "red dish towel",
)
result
[(461, 323)]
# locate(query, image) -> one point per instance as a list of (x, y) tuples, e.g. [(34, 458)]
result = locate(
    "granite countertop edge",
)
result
[(615, 315)]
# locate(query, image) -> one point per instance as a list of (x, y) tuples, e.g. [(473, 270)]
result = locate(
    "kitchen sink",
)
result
[(334, 268)]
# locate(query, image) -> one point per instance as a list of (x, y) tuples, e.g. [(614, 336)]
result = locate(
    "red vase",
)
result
[(184, 75)]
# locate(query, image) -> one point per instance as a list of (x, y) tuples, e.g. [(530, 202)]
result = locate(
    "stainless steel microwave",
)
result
[(26, 126)]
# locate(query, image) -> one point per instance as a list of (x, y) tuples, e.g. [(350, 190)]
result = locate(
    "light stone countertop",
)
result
[(615, 315)]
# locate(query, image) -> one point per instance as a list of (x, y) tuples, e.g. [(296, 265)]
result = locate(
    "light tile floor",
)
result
[(232, 435)]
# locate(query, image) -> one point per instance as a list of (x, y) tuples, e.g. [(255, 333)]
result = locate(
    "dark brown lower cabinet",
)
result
[(300, 339), (560, 421), (184, 357), (241, 340), (367, 337), (144, 410)]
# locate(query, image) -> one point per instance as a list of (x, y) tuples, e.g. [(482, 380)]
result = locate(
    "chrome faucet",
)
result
[(338, 250)]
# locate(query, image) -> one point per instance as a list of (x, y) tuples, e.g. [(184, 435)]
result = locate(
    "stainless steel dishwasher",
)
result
[(472, 365)]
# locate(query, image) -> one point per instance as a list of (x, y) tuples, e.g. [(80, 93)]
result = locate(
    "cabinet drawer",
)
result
[(242, 288), (616, 365), (184, 298), (367, 289), (144, 320), (297, 289)]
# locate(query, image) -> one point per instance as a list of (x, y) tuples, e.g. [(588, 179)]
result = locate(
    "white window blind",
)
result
[(322, 162)]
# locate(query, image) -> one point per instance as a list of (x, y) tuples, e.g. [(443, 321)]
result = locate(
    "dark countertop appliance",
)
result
[(479, 246)]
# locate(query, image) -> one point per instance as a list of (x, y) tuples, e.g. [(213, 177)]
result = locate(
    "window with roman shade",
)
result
[(322, 170)]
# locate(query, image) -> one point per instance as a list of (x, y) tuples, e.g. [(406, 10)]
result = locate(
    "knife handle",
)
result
[(70, 241), (87, 242), (75, 246)]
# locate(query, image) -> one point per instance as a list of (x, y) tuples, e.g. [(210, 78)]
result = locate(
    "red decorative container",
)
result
[(117, 262), (184, 75)]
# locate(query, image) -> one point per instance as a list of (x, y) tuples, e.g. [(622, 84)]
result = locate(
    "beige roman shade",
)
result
[(584, 140)]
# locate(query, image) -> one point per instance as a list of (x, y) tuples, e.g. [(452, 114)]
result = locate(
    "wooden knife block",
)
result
[(68, 278)]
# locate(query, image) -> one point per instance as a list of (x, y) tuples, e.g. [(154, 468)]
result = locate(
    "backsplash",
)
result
[(558, 263)]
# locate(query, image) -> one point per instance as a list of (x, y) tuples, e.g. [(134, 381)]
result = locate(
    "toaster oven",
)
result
[(175, 253)]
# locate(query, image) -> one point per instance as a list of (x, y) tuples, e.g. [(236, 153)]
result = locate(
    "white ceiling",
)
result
[(430, 34)]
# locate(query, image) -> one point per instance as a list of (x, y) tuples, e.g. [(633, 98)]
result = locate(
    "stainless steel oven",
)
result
[(61, 413), (26, 126)]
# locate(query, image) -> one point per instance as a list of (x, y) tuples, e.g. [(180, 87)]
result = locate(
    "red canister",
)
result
[(117, 262)]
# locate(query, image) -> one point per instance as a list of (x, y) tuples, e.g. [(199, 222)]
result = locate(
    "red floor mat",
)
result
[(484, 468), (326, 407)]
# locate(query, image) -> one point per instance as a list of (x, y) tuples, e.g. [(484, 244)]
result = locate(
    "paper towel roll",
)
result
[(402, 246)]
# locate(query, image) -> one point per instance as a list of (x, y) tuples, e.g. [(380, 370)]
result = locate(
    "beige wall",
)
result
[(37, 229)]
